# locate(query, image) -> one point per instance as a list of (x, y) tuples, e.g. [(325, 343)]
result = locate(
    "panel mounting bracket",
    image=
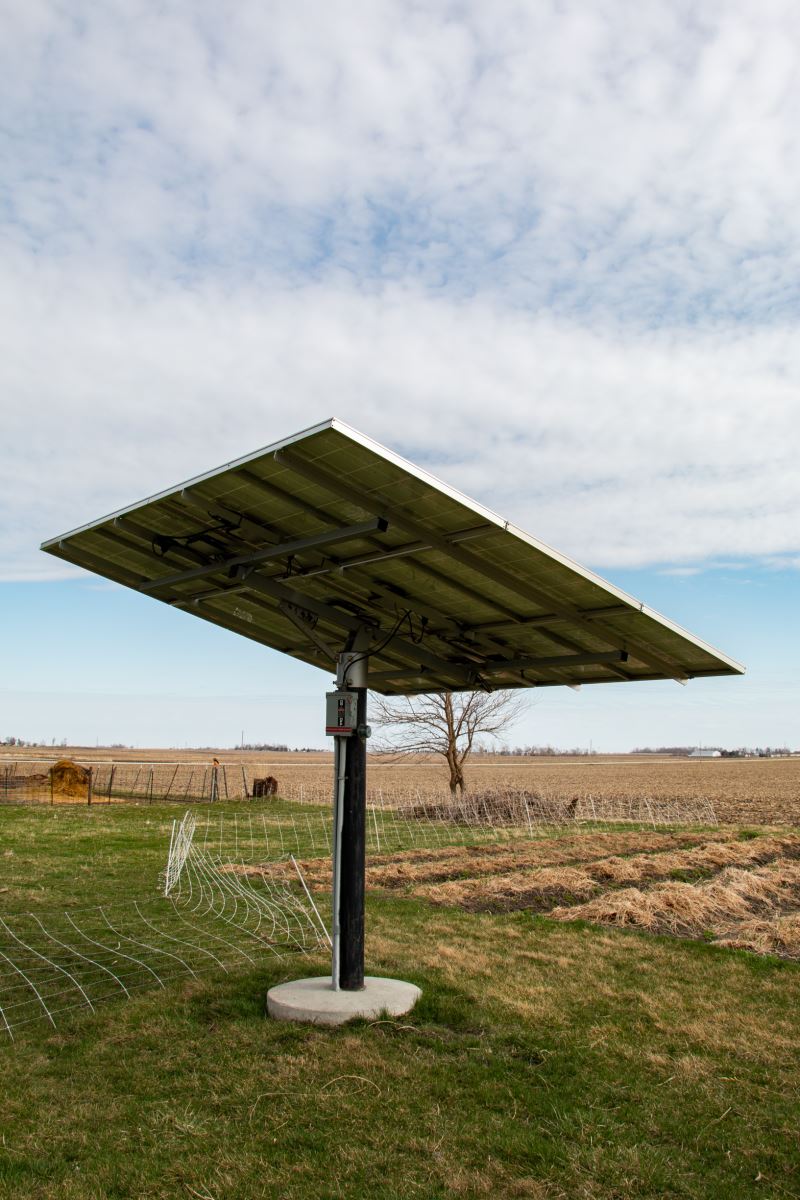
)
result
[(306, 622)]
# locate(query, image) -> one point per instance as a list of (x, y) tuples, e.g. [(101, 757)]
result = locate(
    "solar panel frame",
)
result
[(468, 591)]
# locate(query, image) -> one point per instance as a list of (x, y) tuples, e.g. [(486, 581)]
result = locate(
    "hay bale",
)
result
[(68, 778)]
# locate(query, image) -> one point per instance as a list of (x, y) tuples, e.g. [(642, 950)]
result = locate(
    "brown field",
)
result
[(743, 791)]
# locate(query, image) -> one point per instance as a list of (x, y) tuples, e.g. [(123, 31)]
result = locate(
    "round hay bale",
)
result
[(68, 778)]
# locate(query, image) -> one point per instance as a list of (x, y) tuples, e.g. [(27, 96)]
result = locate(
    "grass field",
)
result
[(547, 1058)]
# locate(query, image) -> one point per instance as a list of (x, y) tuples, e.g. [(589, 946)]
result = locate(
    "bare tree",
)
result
[(445, 723)]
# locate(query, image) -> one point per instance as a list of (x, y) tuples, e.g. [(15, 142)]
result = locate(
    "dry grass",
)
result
[(733, 897), (575, 878), (425, 866), (554, 981), (537, 874), (539, 891), (748, 902), (705, 859), (769, 935), (412, 868)]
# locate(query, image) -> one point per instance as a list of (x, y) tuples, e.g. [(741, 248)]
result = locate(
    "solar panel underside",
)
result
[(327, 539)]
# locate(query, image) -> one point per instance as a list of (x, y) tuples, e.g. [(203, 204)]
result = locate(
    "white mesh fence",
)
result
[(32, 781), (211, 917), (217, 912)]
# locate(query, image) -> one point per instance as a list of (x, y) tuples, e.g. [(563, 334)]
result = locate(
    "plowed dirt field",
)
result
[(743, 791)]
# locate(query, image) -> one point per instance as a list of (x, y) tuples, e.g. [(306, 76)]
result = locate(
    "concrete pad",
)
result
[(315, 1000)]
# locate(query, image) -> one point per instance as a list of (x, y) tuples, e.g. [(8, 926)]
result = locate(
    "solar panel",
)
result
[(327, 537)]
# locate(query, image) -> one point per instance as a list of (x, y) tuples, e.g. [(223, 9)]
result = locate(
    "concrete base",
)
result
[(315, 1000)]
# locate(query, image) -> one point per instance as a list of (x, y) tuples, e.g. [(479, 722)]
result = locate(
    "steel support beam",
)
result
[(587, 614), (372, 587), (375, 502), (460, 673), (348, 564), (503, 666), (327, 537)]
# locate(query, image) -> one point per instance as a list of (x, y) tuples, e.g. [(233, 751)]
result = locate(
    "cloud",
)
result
[(642, 160), (552, 253), (790, 562), (620, 449)]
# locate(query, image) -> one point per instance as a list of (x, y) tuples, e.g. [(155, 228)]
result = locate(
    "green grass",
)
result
[(545, 1060)]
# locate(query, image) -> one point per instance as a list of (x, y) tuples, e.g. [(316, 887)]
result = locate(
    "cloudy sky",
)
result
[(550, 251)]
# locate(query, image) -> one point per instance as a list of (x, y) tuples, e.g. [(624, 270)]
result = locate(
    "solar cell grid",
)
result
[(303, 543)]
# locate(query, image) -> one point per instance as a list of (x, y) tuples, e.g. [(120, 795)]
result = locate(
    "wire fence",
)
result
[(49, 781), (65, 782), (235, 883), (210, 917), (263, 835)]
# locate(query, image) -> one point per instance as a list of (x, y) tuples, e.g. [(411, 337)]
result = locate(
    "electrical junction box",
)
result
[(341, 713)]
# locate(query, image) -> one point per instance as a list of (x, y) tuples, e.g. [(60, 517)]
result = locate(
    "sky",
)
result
[(549, 252)]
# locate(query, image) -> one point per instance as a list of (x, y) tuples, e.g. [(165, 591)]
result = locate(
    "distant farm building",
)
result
[(706, 754)]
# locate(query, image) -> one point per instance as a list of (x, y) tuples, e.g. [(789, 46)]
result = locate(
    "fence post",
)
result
[(169, 788), (110, 780), (377, 835), (150, 787), (89, 787)]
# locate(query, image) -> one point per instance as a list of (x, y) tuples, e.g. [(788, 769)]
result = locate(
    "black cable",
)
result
[(375, 650), (406, 616)]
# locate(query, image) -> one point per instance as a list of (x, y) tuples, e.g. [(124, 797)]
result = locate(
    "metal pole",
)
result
[(351, 893), (338, 806), (348, 969)]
